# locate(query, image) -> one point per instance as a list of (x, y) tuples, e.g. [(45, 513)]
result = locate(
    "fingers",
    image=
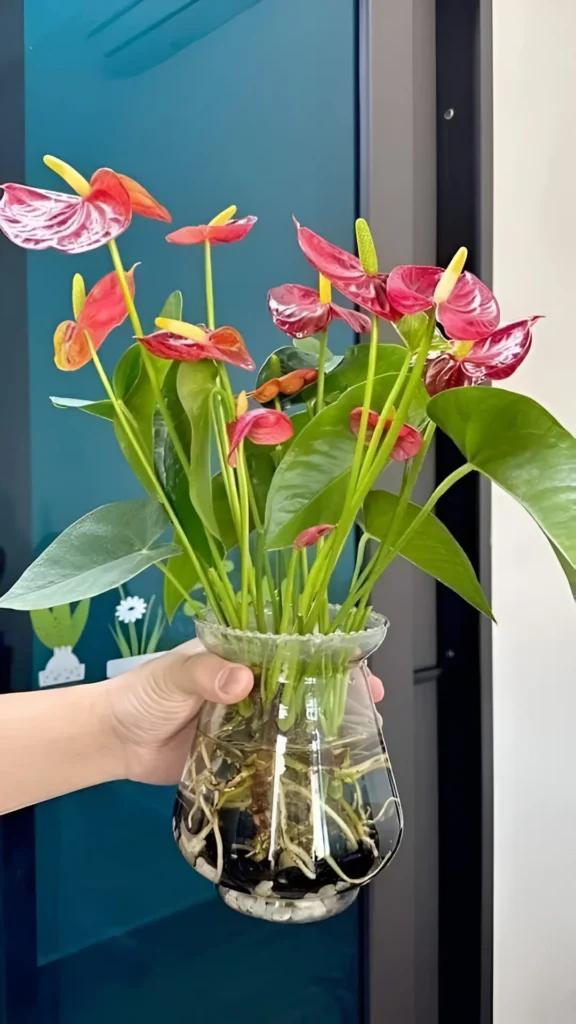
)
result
[(376, 688), (190, 671)]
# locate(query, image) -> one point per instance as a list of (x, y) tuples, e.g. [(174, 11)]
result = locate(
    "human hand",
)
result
[(152, 711)]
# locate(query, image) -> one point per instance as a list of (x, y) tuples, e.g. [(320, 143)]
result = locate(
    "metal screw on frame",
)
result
[(449, 114)]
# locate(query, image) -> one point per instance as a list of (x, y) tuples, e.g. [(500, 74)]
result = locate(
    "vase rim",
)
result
[(377, 625)]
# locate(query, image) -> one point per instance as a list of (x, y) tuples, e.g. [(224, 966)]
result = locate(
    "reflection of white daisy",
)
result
[(131, 609)]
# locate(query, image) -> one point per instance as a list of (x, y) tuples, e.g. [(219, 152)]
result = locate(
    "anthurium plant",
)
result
[(281, 473)]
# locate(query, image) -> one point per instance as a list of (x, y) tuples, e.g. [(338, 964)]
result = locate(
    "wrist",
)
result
[(109, 750)]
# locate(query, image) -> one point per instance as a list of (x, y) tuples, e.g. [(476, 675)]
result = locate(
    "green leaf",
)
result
[(103, 408), (310, 483), (431, 548), (105, 548), (521, 447), (127, 371), (412, 330), (354, 369), (156, 633), (172, 308), (261, 468), (311, 347), (174, 480), (195, 383), (569, 570), (226, 529)]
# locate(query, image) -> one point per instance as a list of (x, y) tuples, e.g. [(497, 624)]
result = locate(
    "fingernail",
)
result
[(229, 681)]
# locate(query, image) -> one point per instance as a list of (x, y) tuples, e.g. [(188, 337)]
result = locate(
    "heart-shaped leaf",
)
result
[(195, 383), (521, 447), (312, 347), (310, 483), (102, 550), (432, 547)]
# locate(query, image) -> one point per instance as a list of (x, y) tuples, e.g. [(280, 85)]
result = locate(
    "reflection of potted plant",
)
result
[(138, 643), (288, 801), (60, 629)]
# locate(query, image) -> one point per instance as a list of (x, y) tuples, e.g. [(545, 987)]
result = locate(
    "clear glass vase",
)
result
[(288, 802)]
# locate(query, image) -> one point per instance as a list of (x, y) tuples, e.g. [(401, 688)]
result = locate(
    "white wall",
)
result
[(535, 643)]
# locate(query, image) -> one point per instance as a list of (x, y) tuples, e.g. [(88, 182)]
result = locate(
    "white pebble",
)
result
[(263, 888), (326, 890)]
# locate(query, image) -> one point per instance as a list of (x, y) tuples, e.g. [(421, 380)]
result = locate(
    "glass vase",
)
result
[(288, 802)]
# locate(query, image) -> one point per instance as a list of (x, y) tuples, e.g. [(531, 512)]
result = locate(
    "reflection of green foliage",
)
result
[(60, 627)]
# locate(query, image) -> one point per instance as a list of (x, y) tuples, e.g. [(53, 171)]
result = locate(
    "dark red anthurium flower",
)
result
[(289, 384), (312, 535), (300, 312), (347, 274), (142, 202), (407, 444), (36, 218), (471, 362), (470, 312), (103, 310), (221, 229), (188, 343), (262, 426)]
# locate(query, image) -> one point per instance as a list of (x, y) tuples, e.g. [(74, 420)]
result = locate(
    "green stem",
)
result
[(359, 559), (289, 592), (210, 314), (368, 390), (176, 583), (387, 555), (245, 559), (354, 503), (197, 565), (259, 525), (408, 484), (321, 371), (147, 361), (385, 415)]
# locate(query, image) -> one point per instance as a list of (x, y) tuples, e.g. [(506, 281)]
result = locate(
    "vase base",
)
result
[(319, 907)]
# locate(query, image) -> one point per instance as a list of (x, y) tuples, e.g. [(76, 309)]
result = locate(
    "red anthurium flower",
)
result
[(188, 343), (289, 384), (470, 312), (142, 202), (262, 426), (217, 234), (407, 444), (38, 219), (347, 274), (492, 358), (312, 535), (299, 312), (103, 310)]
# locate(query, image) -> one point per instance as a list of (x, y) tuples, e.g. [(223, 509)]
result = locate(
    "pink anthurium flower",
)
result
[(289, 384), (492, 358), (262, 426), (312, 535), (218, 234), (470, 312), (103, 310), (407, 444), (188, 343), (300, 312), (35, 218), (347, 274)]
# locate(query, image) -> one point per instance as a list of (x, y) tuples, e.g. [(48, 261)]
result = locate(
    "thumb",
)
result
[(190, 672)]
